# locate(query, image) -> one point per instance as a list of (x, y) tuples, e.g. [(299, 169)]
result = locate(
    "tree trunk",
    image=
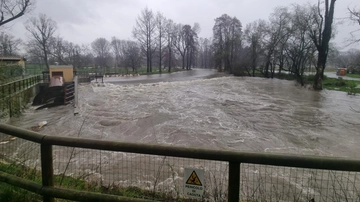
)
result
[(323, 47), (320, 70), (169, 60)]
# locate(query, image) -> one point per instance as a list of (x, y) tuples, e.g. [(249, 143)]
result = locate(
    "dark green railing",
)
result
[(10, 88), (235, 159)]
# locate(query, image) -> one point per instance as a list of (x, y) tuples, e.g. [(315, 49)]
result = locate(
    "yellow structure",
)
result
[(13, 60), (66, 71)]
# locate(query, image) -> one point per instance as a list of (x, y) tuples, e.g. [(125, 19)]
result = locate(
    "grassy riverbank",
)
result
[(353, 75), (348, 86), (11, 193)]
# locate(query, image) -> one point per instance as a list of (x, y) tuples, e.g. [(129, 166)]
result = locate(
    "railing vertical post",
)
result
[(47, 169), (234, 182)]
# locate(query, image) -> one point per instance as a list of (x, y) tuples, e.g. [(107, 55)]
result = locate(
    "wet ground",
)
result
[(236, 113)]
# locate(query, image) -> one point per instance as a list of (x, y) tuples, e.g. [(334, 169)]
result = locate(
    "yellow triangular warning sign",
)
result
[(194, 179)]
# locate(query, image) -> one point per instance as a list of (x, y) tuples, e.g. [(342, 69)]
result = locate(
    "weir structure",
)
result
[(247, 177)]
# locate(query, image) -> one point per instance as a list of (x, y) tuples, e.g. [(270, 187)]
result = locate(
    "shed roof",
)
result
[(11, 58)]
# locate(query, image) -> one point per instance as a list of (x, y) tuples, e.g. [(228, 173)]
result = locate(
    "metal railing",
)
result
[(232, 158), (16, 94), (13, 87)]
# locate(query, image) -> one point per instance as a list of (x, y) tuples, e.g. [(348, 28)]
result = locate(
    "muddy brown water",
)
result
[(241, 114)]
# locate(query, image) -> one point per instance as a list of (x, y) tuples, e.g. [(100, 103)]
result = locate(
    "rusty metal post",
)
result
[(47, 172), (234, 182)]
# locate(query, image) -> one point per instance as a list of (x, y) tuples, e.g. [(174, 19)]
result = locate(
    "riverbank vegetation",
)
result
[(11, 193), (295, 38)]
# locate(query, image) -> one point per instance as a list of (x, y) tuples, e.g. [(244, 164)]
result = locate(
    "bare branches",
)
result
[(354, 15), (144, 32), (13, 9), (42, 30), (101, 48)]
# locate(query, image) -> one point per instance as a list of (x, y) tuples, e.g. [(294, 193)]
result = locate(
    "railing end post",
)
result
[(234, 182), (47, 171)]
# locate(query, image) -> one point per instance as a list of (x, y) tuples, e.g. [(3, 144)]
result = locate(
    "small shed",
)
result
[(65, 71), (341, 72), (13, 60)]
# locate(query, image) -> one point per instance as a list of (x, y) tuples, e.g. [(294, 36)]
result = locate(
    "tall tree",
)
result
[(58, 50), (101, 48), (205, 53), (42, 30), (170, 30), (161, 34), (144, 32), (131, 55), (278, 31), (300, 48), (254, 35), (9, 45), (13, 9), (321, 35), (227, 33), (179, 42), (355, 17), (116, 45)]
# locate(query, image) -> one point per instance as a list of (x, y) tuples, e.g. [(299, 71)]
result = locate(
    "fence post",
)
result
[(234, 182), (47, 169)]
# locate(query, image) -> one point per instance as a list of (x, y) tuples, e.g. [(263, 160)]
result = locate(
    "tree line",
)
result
[(294, 39)]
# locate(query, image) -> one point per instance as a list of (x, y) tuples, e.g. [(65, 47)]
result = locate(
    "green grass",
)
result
[(11, 193), (353, 75), (349, 86)]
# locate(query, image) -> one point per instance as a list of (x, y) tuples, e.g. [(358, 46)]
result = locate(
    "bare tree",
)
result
[(205, 53), (144, 32), (227, 33), (101, 48), (190, 37), (254, 35), (9, 45), (13, 9), (277, 32), (161, 30), (42, 29), (179, 42), (185, 42), (170, 30), (321, 34), (355, 17), (116, 45), (300, 48), (132, 55), (58, 50)]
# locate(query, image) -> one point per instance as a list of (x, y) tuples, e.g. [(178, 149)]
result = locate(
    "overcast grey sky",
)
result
[(82, 21)]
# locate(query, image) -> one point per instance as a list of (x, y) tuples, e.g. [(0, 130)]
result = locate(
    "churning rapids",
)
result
[(236, 113)]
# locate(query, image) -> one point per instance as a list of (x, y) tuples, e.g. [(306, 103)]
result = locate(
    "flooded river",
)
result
[(235, 113), (246, 114)]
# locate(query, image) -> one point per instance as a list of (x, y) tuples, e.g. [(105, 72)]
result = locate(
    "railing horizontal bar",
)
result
[(26, 78), (20, 182), (21, 133), (69, 194), (325, 163)]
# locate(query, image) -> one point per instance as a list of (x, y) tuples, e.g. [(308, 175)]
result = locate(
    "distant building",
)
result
[(65, 71), (13, 60)]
